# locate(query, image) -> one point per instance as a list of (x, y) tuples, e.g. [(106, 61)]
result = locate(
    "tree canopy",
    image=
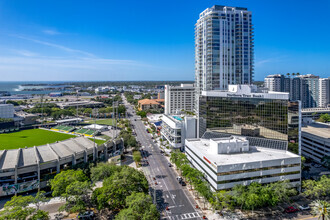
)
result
[(139, 206), (121, 184), (17, 208), (317, 188)]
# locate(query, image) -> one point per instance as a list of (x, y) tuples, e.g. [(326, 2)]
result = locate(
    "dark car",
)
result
[(86, 215), (183, 183), (291, 209), (169, 165)]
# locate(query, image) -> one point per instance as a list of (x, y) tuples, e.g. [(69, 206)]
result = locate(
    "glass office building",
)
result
[(267, 119)]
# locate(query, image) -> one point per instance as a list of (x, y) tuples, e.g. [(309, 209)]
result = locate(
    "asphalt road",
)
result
[(169, 193)]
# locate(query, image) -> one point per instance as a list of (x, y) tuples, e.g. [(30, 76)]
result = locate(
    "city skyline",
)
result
[(97, 41)]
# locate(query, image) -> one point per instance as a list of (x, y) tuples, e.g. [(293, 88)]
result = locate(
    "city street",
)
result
[(169, 193)]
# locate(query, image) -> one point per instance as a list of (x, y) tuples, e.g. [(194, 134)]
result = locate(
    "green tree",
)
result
[(62, 180), (78, 196), (317, 189), (40, 215), (103, 171), (17, 208), (88, 111), (132, 142), (321, 209), (324, 118), (137, 156), (139, 206), (121, 109), (221, 200), (143, 114), (118, 186), (39, 198)]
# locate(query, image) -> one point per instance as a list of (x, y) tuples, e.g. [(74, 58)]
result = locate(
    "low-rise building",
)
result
[(7, 111), (176, 128), (315, 142), (102, 89), (229, 161), (146, 104), (26, 118), (96, 127), (85, 104), (136, 97)]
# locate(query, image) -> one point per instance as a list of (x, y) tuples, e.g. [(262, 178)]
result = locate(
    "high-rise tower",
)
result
[(223, 48)]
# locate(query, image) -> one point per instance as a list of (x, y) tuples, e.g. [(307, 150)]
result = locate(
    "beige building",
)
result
[(146, 104)]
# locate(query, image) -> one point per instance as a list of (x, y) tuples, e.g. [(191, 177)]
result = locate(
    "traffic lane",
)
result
[(175, 198)]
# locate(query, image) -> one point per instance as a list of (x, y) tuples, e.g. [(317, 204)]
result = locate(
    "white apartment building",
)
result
[(273, 83), (176, 128), (7, 111), (324, 92), (229, 161), (315, 142), (102, 89), (223, 48), (179, 98)]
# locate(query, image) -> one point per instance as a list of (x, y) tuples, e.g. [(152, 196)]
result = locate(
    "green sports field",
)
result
[(30, 138), (102, 121)]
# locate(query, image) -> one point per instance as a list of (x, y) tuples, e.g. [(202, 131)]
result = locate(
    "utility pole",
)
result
[(42, 109), (95, 112)]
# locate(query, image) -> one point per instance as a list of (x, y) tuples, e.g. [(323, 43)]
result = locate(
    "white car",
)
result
[(304, 207)]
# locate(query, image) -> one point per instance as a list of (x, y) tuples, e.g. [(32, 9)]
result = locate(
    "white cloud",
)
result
[(51, 32), (25, 53), (58, 46), (272, 60)]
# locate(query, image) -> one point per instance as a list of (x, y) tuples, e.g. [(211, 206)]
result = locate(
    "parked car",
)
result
[(179, 178), (86, 215), (291, 209), (183, 183), (59, 216), (169, 165), (304, 207)]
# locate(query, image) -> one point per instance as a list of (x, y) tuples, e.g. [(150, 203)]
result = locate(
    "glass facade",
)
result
[(273, 119)]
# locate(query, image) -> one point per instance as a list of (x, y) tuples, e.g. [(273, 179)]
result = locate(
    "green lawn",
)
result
[(97, 141), (30, 138), (102, 121)]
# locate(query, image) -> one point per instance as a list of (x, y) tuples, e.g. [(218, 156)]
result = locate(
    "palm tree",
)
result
[(297, 74), (288, 74), (321, 208)]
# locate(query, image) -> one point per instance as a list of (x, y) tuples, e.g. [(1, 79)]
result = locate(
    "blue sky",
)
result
[(149, 40)]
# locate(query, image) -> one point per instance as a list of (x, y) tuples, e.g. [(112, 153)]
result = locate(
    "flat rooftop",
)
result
[(256, 154), (246, 91), (45, 153), (317, 129)]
